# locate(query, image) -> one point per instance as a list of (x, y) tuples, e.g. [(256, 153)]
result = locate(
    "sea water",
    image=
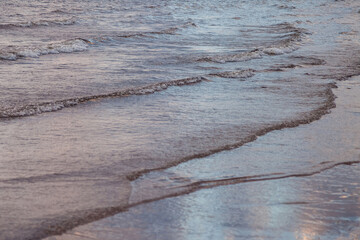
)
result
[(95, 93)]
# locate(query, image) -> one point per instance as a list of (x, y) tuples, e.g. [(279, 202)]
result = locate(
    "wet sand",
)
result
[(228, 204)]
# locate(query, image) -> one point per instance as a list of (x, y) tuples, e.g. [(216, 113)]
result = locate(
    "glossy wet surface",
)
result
[(323, 206), (320, 204)]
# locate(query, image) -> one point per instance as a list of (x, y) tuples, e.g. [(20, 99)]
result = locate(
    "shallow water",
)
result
[(219, 200), (324, 206), (94, 94)]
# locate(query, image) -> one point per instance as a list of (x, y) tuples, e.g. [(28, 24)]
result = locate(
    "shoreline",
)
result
[(150, 142), (346, 104)]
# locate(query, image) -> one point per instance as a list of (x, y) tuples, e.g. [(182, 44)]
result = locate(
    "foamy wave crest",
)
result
[(279, 50), (68, 21), (238, 57), (287, 44), (39, 108), (69, 46), (75, 45), (290, 43), (235, 74)]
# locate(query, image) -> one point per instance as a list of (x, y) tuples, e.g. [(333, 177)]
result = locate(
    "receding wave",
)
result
[(210, 183), (44, 22), (61, 224), (39, 108), (304, 118)]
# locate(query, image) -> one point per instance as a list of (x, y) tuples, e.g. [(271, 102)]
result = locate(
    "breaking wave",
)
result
[(288, 43), (39, 108), (15, 52)]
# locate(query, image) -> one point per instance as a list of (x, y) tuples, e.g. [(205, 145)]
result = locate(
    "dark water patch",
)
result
[(54, 177), (295, 203), (287, 7), (307, 61), (281, 67), (278, 28), (339, 75), (298, 62), (235, 74), (168, 31), (59, 11), (238, 57), (173, 30), (40, 23)]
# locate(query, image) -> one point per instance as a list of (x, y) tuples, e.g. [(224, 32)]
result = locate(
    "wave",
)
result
[(287, 44), (33, 109), (58, 11), (172, 30), (15, 52), (247, 56), (299, 62), (283, 6), (238, 57), (308, 61), (279, 28), (167, 31), (68, 21), (235, 74)]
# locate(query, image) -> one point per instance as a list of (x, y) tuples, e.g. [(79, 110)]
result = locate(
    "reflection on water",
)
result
[(325, 205), (290, 209), (261, 66)]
